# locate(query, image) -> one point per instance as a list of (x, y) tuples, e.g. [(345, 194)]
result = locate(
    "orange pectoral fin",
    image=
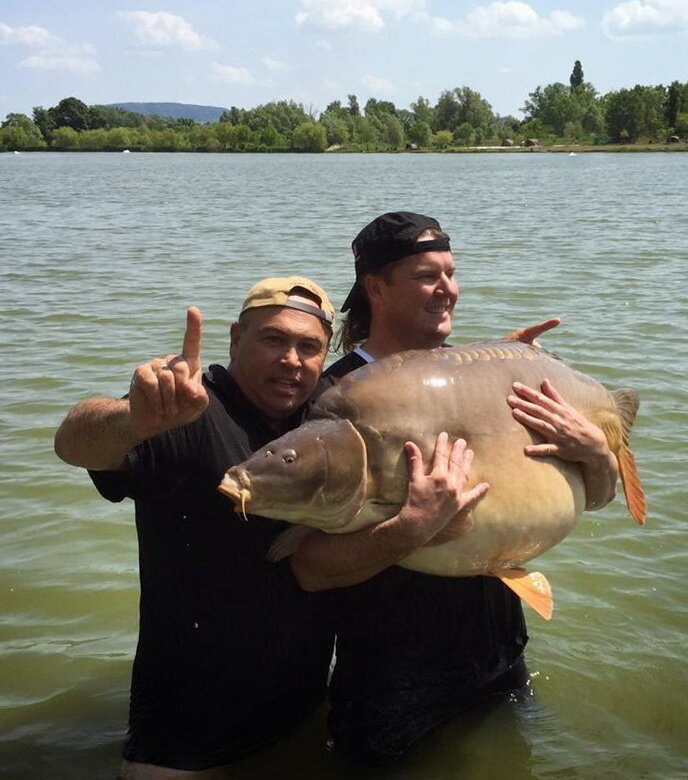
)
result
[(532, 587), (635, 498)]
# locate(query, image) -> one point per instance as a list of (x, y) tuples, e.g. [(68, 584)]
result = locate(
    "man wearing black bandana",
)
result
[(414, 649)]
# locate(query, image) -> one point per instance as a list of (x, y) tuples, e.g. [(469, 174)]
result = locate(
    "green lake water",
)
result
[(99, 256)]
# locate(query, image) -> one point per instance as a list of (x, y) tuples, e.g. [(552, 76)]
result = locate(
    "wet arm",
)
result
[(97, 435), (434, 500)]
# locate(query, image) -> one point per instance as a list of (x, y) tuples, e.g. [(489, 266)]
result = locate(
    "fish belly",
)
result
[(531, 506)]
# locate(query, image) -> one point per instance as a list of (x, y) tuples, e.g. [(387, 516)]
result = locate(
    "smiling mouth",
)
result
[(439, 309), (286, 385)]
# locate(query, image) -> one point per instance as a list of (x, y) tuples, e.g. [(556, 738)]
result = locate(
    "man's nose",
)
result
[(291, 356), (446, 285)]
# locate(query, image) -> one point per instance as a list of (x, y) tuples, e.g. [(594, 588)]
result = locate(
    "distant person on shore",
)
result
[(414, 649), (232, 654)]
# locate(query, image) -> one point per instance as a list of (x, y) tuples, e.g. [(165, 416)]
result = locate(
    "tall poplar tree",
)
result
[(576, 78)]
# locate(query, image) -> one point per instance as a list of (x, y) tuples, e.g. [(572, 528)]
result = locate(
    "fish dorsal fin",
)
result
[(627, 403), (288, 542), (532, 587)]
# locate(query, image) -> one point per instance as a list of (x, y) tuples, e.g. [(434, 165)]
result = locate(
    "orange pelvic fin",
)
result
[(532, 587)]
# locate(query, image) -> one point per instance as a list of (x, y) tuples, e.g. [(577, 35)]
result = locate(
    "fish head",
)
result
[(315, 475)]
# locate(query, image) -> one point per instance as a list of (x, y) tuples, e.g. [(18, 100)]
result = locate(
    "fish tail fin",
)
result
[(627, 403), (532, 587), (635, 497)]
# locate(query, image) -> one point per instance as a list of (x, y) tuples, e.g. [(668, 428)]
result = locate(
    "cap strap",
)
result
[(314, 310), (435, 244)]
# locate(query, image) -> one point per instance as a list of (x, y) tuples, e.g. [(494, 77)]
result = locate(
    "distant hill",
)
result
[(175, 110)]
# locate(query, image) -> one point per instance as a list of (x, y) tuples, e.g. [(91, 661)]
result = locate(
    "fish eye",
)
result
[(289, 456), (269, 453)]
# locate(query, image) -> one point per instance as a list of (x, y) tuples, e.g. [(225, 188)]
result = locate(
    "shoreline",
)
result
[(550, 149)]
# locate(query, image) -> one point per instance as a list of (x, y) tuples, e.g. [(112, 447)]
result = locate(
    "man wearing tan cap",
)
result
[(232, 654)]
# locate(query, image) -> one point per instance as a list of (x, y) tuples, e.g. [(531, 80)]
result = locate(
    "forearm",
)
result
[(600, 475), (325, 561), (97, 435)]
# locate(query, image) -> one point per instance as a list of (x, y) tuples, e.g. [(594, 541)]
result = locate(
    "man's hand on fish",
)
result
[(532, 332), (168, 392), (568, 435), (436, 504), (436, 498)]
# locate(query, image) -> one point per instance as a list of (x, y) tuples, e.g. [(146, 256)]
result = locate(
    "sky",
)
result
[(247, 52)]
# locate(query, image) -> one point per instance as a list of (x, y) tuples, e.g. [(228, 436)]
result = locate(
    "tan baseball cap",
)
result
[(294, 292)]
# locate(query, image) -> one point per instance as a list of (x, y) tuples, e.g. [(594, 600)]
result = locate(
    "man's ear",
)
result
[(373, 286), (234, 336)]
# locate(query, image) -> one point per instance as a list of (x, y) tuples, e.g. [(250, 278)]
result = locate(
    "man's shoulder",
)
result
[(345, 365)]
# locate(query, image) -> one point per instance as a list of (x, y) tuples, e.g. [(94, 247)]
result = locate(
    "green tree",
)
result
[(19, 133), (681, 124), (354, 108), (65, 138), (464, 134), (422, 111), (44, 122), (576, 77), (336, 129), (71, 112), (673, 103), (394, 132), (310, 137), (420, 134), (365, 132), (631, 114), (553, 105), (446, 112), (442, 139)]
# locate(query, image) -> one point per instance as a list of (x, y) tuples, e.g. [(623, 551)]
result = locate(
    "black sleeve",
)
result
[(159, 465)]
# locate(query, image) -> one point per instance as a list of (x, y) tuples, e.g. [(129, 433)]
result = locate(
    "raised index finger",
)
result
[(191, 349)]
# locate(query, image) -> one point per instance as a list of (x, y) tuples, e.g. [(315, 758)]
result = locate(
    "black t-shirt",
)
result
[(231, 652), (416, 644)]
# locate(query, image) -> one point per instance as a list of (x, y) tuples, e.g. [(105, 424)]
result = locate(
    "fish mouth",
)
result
[(236, 485)]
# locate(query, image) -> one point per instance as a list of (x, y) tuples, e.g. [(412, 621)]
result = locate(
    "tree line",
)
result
[(572, 113)]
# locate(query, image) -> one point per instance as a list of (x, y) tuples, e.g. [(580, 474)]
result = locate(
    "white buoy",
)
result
[(125, 151), (572, 154)]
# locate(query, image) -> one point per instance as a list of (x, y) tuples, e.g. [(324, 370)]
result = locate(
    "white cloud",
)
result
[(25, 36), (230, 74), (511, 19), (160, 28), (638, 17), (51, 51), (271, 64), (362, 15), (71, 63), (378, 85)]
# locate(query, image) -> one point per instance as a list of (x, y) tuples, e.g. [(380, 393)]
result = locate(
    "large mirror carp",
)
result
[(346, 468)]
